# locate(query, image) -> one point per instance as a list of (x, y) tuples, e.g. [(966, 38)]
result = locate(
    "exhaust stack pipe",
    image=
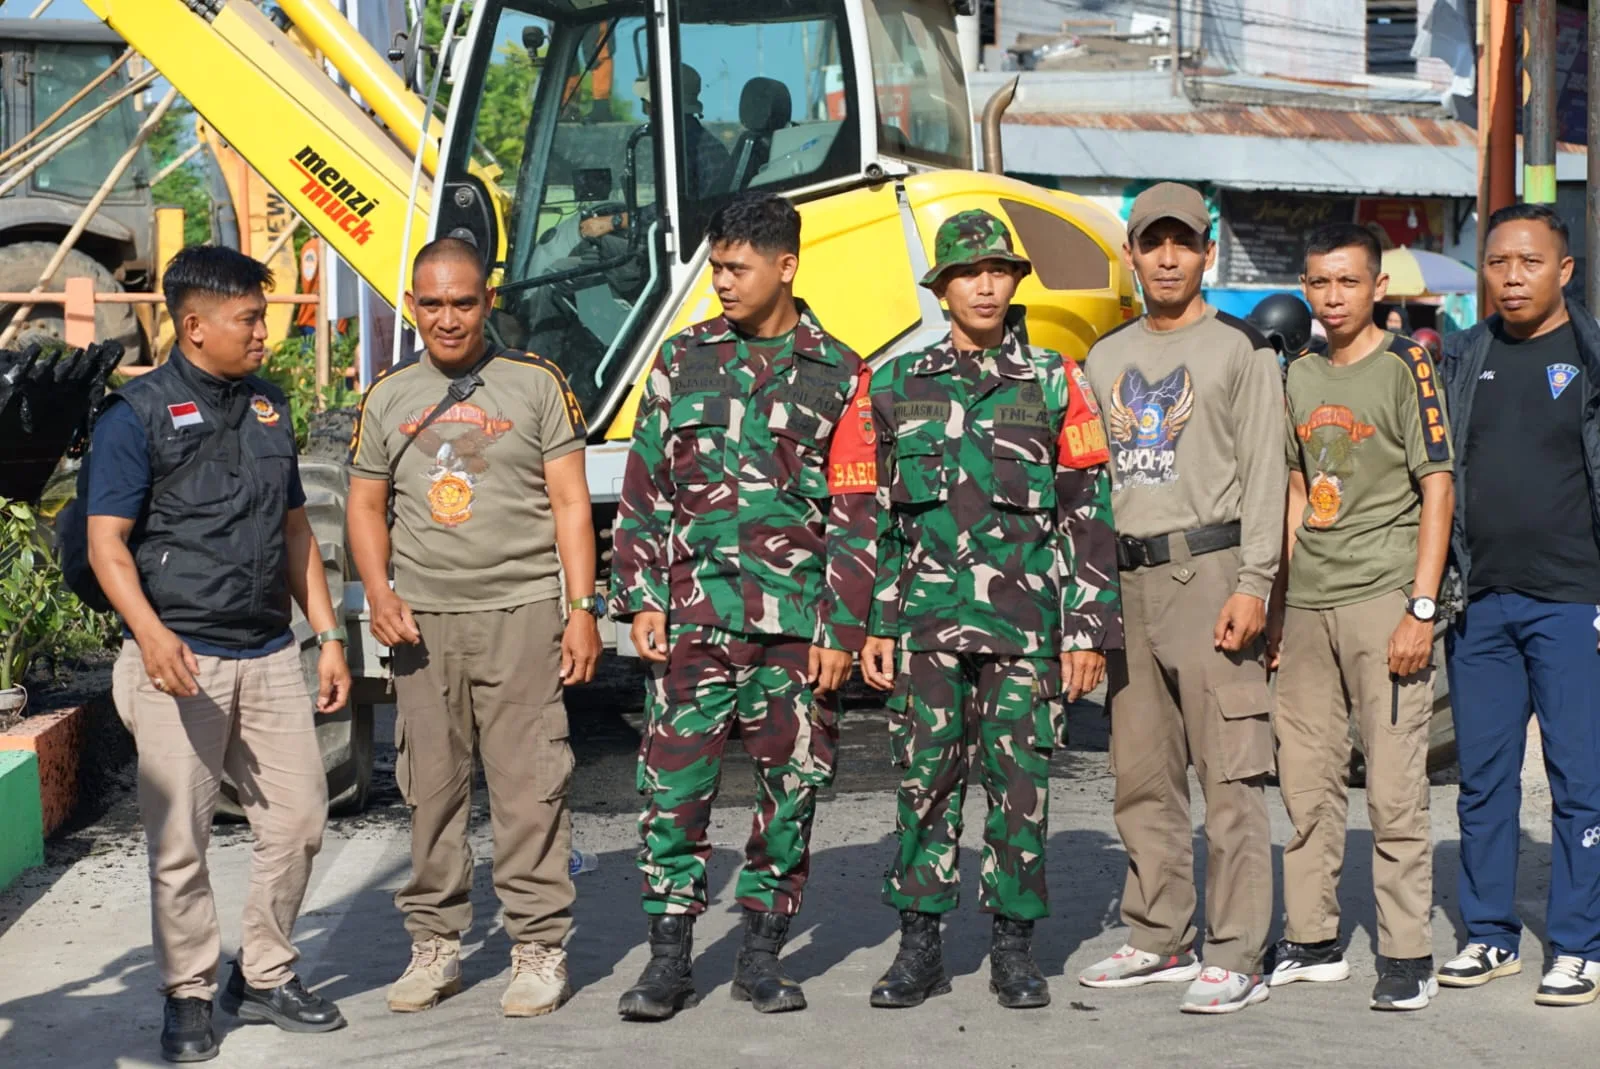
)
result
[(996, 107)]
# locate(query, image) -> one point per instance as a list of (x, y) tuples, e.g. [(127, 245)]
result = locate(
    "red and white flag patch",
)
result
[(186, 414)]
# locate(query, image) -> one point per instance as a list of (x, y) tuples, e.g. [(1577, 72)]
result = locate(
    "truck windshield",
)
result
[(923, 114), (561, 114)]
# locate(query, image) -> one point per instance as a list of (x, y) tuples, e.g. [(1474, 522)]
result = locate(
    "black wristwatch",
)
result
[(1424, 609)]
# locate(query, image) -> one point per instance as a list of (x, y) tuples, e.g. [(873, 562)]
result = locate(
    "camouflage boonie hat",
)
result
[(971, 237)]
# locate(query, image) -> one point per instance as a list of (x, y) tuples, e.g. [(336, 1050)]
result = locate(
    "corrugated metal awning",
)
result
[(1242, 161)]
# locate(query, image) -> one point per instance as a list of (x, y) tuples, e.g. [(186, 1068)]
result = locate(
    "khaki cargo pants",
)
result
[(1335, 666), (252, 719), (495, 678), (1176, 700)]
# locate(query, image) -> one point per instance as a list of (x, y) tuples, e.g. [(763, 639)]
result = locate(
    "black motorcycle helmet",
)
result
[(1285, 320)]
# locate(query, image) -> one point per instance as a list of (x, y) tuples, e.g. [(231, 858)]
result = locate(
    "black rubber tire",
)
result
[(328, 434), (20, 266), (344, 738)]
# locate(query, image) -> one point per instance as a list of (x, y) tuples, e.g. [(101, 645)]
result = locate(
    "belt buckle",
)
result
[(1135, 551)]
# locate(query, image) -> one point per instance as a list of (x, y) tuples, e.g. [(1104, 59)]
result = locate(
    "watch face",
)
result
[(1423, 608)]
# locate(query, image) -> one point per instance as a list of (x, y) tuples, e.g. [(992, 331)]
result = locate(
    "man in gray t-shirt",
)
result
[(484, 450), (1193, 405)]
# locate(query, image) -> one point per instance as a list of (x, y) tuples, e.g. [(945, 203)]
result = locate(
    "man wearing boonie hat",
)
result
[(997, 583), (1193, 406)]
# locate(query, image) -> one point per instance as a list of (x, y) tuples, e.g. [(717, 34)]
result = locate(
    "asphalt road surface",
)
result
[(77, 986)]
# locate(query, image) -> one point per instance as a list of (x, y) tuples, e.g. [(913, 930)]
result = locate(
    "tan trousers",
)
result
[(494, 676), (1336, 665), (1176, 700), (252, 718)]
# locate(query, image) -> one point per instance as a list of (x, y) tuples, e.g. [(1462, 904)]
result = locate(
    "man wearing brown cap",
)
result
[(1193, 405)]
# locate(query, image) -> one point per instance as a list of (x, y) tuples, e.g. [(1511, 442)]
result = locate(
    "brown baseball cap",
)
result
[(1170, 200)]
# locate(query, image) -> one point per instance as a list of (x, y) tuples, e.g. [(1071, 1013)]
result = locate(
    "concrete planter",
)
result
[(13, 700), (55, 739), (21, 829)]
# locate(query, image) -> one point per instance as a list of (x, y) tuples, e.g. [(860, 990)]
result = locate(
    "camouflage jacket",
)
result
[(995, 534), (748, 502)]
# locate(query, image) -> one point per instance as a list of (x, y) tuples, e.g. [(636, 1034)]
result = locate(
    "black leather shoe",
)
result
[(289, 1005), (186, 1034), (758, 976), (1013, 975), (917, 972)]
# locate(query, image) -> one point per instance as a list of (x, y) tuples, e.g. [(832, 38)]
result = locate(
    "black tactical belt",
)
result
[(1135, 553)]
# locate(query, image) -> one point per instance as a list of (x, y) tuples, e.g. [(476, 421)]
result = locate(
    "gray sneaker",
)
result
[(1133, 968), (1221, 991)]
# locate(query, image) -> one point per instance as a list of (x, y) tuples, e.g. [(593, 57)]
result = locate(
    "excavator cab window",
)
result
[(563, 97), (76, 172), (923, 112)]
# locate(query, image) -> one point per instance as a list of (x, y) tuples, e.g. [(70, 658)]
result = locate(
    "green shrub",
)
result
[(292, 368), (38, 614)]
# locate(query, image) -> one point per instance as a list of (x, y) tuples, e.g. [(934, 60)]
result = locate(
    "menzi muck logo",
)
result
[(336, 195)]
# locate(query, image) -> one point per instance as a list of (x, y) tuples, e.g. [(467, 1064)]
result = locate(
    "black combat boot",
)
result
[(918, 969), (667, 984), (758, 975), (1012, 973)]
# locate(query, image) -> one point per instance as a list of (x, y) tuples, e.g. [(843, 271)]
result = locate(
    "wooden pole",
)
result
[(1497, 118), (43, 152), (88, 213), (72, 102), (188, 154), (1539, 109), (282, 239)]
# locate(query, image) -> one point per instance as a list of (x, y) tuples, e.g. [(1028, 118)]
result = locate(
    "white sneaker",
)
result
[(1131, 968), (1571, 981), (1477, 964), (1220, 991)]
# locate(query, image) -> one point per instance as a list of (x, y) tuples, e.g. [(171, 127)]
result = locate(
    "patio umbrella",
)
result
[(1418, 273)]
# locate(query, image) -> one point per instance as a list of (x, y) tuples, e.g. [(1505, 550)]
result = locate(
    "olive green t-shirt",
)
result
[(1363, 435), (473, 526)]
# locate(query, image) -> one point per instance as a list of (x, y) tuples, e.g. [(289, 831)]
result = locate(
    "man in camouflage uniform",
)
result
[(744, 556), (997, 579)]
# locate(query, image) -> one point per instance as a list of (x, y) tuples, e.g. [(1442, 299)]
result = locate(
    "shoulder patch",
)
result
[(575, 416), (1425, 378), (366, 395), (1258, 340)]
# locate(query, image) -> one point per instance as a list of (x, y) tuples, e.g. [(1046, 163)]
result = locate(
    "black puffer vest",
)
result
[(211, 552)]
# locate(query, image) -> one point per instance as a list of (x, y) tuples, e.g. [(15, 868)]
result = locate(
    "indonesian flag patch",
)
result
[(186, 414)]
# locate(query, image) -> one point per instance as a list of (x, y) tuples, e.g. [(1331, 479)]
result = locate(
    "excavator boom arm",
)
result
[(333, 164)]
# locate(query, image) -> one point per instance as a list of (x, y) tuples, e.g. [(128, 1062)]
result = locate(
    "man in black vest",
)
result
[(198, 536)]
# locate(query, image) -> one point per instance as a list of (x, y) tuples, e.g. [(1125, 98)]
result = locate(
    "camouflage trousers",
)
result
[(711, 677), (952, 712)]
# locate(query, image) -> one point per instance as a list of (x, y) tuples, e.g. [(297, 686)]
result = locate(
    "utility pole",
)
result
[(1539, 107), (1591, 246), (1497, 121)]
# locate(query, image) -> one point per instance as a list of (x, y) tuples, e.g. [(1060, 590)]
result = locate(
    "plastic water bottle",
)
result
[(582, 861)]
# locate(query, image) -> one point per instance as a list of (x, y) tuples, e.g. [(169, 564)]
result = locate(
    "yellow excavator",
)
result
[(585, 146)]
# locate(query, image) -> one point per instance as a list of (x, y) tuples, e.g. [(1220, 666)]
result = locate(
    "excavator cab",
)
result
[(611, 157)]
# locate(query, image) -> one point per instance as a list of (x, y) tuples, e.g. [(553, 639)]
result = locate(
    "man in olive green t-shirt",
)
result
[(482, 449), (1370, 504)]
